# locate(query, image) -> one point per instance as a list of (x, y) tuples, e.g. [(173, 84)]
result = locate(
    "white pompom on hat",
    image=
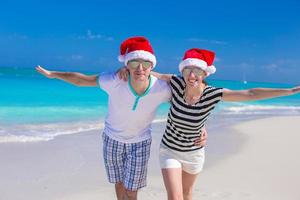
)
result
[(136, 48)]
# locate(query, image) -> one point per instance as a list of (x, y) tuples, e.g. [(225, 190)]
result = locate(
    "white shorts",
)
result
[(191, 162)]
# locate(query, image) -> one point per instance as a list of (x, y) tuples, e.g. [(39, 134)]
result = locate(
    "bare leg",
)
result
[(120, 191), (131, 195), (188, 181), (173, 183)]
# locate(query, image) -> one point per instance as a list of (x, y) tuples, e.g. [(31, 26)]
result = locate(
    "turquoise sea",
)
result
[(34, 108)]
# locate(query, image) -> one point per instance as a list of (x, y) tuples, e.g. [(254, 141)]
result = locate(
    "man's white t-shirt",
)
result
[(129, 115)]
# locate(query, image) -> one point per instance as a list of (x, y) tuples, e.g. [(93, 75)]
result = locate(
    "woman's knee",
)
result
[(187, 191), (175, 195)]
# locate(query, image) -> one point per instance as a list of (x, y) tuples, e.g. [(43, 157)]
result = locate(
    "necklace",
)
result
[(191, 100)]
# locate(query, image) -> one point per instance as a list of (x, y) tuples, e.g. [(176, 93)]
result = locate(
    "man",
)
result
[(131, 109)]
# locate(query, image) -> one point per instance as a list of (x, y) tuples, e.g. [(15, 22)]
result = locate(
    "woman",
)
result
[(192, 102)]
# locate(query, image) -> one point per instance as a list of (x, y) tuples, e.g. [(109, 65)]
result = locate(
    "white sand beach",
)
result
[(254, 160)]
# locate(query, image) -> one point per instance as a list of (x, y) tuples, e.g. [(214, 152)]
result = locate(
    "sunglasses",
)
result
[(134, 64), (197, 71)]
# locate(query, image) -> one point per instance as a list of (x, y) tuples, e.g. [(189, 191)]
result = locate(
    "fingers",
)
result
[(44, 72), (126, 74), (296, 89), (123, 74), (200, 143), (204, 132), (197, 142), (40, 69), (119, 74), (203, 136)]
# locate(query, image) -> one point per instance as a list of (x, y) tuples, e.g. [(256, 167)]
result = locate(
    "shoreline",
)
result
[(39, 132), (71, 166)]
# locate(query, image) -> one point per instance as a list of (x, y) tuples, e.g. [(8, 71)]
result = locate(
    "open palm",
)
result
[(44, 72)]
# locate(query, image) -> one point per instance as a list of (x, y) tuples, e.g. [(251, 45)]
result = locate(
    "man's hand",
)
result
[(123, 73), (45, 72), (201, 142)]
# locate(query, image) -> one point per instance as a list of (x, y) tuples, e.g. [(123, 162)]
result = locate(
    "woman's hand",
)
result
[(123, 73), (201, 141)]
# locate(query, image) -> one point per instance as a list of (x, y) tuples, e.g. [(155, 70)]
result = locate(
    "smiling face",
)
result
[(139, 69), (193, 76)]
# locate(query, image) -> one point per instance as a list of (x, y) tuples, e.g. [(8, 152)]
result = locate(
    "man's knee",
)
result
[(131, 194), (120, 190), (119, 185)]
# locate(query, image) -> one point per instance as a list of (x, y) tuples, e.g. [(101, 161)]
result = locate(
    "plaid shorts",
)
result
[(126, 162)]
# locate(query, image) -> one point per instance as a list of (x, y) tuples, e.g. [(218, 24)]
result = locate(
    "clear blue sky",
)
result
[(259, 40)]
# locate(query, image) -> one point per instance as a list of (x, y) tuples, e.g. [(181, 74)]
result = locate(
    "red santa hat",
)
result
[(199, 58), (136, 48)]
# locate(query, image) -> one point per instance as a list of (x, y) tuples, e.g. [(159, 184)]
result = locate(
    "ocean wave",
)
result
[(44, 132), (21, 138), (260, 109)]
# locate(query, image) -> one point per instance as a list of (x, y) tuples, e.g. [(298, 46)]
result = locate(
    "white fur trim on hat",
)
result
[(211, 69), (197, 63), (138, 54)]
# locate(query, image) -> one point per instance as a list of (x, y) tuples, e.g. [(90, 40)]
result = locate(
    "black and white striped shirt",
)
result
[(185, 121)]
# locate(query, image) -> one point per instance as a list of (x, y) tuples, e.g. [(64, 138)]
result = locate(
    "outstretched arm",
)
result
[(257, 93), (74, 78)]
